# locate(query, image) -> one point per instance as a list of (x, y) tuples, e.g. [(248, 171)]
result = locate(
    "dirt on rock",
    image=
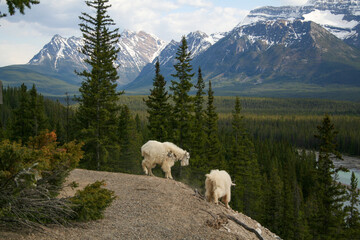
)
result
[(150, 208)]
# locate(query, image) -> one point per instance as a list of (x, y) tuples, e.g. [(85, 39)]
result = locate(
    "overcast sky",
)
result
[(22, 36)]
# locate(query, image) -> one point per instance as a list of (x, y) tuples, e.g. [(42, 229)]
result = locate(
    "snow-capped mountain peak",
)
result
[(339, 17), (136, 50), (59, 49)]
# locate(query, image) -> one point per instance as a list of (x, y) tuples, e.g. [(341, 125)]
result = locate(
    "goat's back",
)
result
[(219, 179), (151, 147)]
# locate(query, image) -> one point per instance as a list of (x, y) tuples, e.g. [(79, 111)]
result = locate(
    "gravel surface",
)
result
[(150, 208)]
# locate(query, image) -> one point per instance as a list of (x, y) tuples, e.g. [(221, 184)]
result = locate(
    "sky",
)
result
[(23, 36)]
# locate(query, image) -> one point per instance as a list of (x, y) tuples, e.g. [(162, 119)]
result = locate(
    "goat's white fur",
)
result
[(164, 154), (218, 185)]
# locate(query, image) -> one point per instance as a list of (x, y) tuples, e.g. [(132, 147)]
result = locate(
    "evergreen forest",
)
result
[(274, 179)]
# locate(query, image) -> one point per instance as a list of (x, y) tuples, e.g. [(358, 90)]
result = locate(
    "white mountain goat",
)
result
[(217, 185), (164, 154)]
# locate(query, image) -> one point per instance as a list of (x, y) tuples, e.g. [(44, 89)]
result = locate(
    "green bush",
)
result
[(90, 203), (30, 179)]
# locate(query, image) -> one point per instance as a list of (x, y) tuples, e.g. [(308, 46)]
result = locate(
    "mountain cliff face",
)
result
[(339, 17), (198, 42), (136, 50), (59, 53), (281, 51)]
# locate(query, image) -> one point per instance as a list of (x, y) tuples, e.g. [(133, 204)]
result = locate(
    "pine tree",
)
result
[(67, 123), (158, 108), (21, 123), (273, 196), (244, 167), (212, 145), (183, 103), (197, 153), (353, 216), (39, 120), (2, 132), (130, 142), (98, 103), (19, 5), (328, 221)]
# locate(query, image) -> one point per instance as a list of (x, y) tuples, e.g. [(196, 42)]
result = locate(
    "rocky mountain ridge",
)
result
[(339, 17), (136, 50)]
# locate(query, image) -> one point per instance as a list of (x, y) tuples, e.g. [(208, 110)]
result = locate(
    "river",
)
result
[(353, 164)]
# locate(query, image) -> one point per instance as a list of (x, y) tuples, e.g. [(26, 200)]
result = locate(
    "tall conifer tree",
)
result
[(199, 131), (21, 126), (244, 167), (130, 143), (328, 221), (158, 108), (183, 103), (99, 99), (212, 145), (29, 118), (39, 120), (353, 218)]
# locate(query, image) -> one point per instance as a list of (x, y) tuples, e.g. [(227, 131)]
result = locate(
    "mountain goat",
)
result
[(164, 154), (217, 185)]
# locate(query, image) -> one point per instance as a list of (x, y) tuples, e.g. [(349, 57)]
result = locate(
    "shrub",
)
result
[(90, 203), (31, 178)]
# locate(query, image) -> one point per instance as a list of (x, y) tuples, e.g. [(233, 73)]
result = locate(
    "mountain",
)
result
[(56, 61), (288, 56), (198, 42), (276, 51), (136, 50), (297, 51), (339, 17)]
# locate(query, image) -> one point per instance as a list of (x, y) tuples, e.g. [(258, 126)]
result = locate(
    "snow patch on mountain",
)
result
[(136, 50), (340, 17), (329, 19)]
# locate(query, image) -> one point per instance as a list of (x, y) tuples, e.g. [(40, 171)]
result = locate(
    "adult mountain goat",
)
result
[(217, 185), (164, 154)]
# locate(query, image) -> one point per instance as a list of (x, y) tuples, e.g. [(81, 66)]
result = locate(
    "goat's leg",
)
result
[(226, 201), (150, 171), (143, 164), (170, 176), (165, 167)]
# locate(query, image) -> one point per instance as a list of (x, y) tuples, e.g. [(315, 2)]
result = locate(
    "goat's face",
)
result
[(185, 159)]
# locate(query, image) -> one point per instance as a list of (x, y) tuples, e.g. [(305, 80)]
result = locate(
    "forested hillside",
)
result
[(281, 194)]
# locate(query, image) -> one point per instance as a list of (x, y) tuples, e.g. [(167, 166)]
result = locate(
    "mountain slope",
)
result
[(198, 42), (136, 50), (339, 17), (47, 83), (150, 208), (275, 58), (275, 50), (57, 60)]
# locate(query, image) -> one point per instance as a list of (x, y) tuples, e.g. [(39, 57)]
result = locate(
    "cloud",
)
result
[(293, 2), (195, 3)]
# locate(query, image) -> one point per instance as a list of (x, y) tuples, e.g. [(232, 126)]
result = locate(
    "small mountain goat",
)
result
[(164, 154), (217, 185)]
